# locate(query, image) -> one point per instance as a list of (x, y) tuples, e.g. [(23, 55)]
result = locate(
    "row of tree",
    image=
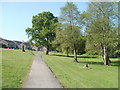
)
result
[(94, 29)]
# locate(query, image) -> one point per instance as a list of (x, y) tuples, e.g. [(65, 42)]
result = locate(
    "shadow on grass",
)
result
[(73, 56), (32, 53), (88, 62), (113, 63)]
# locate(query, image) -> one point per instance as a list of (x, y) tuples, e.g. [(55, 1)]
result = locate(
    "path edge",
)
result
[(28, 73), (51, 71)]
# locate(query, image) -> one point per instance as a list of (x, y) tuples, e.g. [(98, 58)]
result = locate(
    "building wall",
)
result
[(15, 44)]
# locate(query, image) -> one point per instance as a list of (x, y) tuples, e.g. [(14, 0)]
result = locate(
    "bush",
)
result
[(3, 45), (115, 54), (92, 52)]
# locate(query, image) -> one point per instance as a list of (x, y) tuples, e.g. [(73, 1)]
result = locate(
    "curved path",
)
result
[(40, 75)]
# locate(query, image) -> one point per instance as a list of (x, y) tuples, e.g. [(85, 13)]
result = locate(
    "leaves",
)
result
[(69, 14), (42, 32), (100, 25)]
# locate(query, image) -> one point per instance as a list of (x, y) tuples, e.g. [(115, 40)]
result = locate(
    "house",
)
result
[(34, 48), (27, 46), (15, 44), (18, 43), (11, 44), (44, 49), (2, 41), (8, 43)]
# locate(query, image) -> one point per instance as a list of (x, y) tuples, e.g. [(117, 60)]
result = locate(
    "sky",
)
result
[(15, 17)]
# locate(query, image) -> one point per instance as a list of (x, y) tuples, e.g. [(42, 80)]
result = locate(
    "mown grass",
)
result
[(0, 69), (72, 75), (15, 66)]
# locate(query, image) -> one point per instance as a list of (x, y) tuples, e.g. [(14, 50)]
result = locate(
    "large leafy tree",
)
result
[(101, 20), (42, 32), (71, 35)]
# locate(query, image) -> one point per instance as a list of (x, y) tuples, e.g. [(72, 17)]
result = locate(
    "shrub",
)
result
[(3, 45), (115, 54), (92, 52)]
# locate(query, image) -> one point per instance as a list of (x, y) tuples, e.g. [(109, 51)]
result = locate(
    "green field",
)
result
[(72, 75), (0, 68), (15, 67)]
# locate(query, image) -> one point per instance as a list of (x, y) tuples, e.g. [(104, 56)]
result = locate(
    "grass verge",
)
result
[(15, 66), (72, 75)]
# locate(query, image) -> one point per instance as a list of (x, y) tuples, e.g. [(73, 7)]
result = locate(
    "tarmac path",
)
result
[(40, 75)]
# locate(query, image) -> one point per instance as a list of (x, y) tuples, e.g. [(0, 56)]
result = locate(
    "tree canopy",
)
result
[(42, 32), (99, 24), (100, 27), (69, 36)]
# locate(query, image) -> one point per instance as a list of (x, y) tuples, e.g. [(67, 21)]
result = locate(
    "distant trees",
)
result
[(42, 32), (100, 31), (60, 41)]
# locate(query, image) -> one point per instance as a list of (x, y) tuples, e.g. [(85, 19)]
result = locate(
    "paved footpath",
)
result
[(40, 75)]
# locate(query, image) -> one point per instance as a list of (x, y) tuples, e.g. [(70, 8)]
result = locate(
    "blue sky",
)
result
[(17, 16)]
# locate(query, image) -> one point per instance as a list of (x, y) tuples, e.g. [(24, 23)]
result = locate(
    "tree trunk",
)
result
[(75, 56), (105, 56), (47, 51), (67, 51), (23, 48)]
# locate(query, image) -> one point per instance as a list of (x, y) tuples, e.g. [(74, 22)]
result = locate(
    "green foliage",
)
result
[(3, 46), (115, 53), (70, 38), (69, 14), (100, 27), (92, 52), (42, 32)]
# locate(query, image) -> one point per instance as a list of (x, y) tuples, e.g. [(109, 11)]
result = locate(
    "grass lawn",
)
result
[(72, 75), (15, 66), (0, 70)]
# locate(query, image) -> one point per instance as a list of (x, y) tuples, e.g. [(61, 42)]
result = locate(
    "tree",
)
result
[(69, 14), (74, 39), (71, 33), (70, 39), (23, 48), (42, 32), (101, 20), (61, 40)]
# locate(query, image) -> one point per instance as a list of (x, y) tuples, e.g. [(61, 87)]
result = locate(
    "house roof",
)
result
[(13, 43), (18, 42)]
